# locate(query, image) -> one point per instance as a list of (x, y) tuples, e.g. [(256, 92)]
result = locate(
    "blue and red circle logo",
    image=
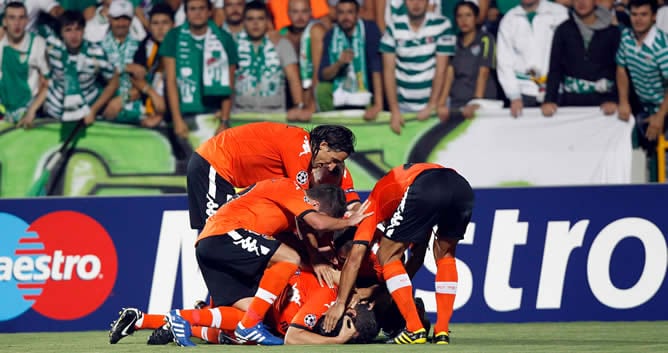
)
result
[(63, 265)]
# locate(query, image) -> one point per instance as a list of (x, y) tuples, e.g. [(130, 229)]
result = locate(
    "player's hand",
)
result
[(624, 111), (358, 215), (609, 108), (325, 275), (332, 316), (361, 295), (347, 330)]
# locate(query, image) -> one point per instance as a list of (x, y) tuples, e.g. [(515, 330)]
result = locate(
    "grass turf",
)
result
[(640, 336)]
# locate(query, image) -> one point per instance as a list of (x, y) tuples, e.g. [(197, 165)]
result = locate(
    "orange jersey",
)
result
[(348, 187), (252, 152), (303, 289), (387, 194), (268, 208)]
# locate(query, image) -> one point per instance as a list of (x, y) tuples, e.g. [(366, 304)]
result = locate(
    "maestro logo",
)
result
[(63, 265)]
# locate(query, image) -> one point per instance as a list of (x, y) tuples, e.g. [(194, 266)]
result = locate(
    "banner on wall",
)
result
[(530, 254), (578, 146)]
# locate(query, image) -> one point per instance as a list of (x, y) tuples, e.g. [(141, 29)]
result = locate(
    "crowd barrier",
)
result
[(530, 254), (579, 146)]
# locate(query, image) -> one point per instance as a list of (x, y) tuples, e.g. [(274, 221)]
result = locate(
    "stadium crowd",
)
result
[(155, 62)]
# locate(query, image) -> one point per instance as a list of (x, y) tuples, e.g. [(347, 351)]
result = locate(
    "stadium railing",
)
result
[(661, 148)]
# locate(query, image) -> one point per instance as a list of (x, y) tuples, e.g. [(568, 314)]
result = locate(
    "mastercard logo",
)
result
[(63, 265)]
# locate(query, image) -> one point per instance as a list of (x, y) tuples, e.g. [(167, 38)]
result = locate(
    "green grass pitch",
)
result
[(638, 336)]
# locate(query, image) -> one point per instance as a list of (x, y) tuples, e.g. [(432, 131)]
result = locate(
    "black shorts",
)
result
[(232, 264), (207, 191), (437, 197)]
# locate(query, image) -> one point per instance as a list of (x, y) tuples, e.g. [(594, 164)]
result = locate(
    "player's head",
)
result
[(363, 319), (331, 145), (328, 199), (325, 175)]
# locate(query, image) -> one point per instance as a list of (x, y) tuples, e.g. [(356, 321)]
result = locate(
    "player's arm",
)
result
[(323, 223)]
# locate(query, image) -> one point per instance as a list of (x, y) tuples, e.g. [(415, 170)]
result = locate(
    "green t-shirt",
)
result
[(77, 5)]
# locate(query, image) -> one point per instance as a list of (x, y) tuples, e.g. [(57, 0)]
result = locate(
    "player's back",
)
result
[(390, 189), (246, 154), (268, 207)]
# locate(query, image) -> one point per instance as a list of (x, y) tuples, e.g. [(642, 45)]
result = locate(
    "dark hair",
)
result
[(331, 197), (71, 17), (470, 4), (16, 5), (185, 4), (256, 5), (364, 321), (162, 9), (338, 137), (638, 3), (357, 4)]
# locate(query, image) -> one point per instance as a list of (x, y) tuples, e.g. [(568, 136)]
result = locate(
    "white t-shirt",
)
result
[(37, 64), (662, 18)]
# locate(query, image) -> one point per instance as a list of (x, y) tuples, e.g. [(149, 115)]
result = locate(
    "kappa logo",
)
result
[(249, 244), (306, 147), (397, 217)]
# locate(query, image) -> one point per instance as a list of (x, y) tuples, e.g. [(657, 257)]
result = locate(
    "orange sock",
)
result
[(400, 287), (446, 288), (271, 285), (208, 334), (150, 321), (225, 317)]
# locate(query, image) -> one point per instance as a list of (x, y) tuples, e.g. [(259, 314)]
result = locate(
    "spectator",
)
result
[(34, 8), (386, 10), (662, 18), (582, 62), (86, 7), (306, 37), (146, 73), (234, 17), (367, 9), (351, 65), (199, 61), (619, 16), (447, 8), (523, 52), (470, 74), (415, 52), (565, 3), (121, 49), (279, 12), (265, 61), (77, 68), (491, 24), (98, 26), (23, 67), (643, 52)]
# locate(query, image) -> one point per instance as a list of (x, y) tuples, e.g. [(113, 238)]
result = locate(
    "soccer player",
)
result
[(243, 265), (412, 199), (243, 155)]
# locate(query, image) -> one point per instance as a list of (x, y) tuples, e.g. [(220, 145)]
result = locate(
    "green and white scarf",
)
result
[(259, 72), (208, 77), (580, 86), (355, 79), (74, 106), (305, 56), (122, 54)]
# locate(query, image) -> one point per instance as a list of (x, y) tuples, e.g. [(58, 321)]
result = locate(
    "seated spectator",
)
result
[(523, 51), (415, 52), (120, 49), (77, 69), (470, 74), (279, 12), (306, 37), (146, 73), (98, 26), (582, 62), (620, 16), (643, 52), (351, 72), (199, 61), (265, 61), (23, 67), (234, 17)]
